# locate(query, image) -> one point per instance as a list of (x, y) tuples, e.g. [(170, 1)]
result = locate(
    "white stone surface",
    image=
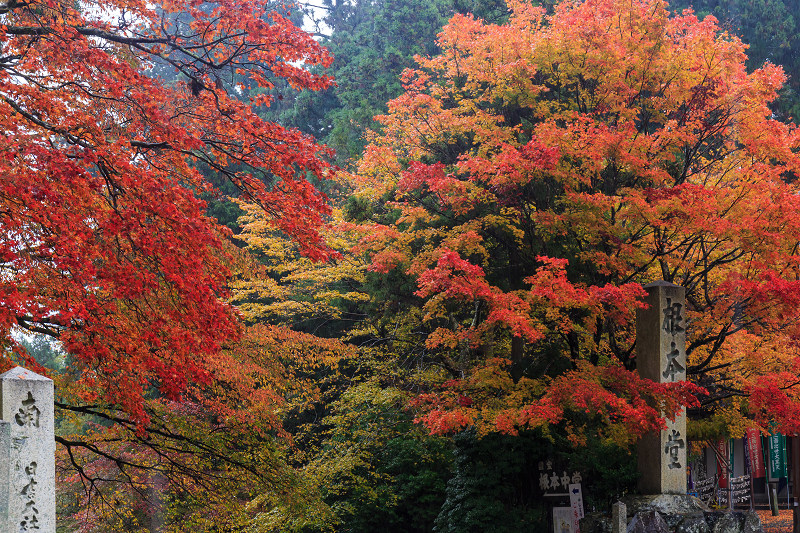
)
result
[(5, 460), (26, 403)]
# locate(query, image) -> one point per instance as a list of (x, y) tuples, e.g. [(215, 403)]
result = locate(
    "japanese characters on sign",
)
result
[(30, 515), (673, 325), (661, 327), (28, 453), (777, 456), (673, 318), (739, 491), (674, 370), (556, 481), (672, 449), (723, 466), (576, 500), (705, 489), (28, 414), (754, 454)]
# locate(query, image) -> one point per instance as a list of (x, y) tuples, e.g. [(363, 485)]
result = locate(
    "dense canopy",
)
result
[(535, 174), (105, 244), (233, 349)]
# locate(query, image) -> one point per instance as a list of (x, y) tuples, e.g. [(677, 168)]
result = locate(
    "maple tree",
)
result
[(105, 245), (220, 456), (770, 31), (355, 440), (374, 467), (535, 174)]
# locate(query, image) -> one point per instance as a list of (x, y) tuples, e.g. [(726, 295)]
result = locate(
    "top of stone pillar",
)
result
[(23, 373), (660, 283)]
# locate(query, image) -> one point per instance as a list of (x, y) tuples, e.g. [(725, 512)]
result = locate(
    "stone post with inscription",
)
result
[(661, 357), (28, 481)]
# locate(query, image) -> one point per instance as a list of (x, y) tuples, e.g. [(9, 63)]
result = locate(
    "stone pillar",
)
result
[(5, 461), (619, 518), (661, 357), (26, 404)]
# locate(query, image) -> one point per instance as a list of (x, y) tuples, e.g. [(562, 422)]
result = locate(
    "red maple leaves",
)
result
[(104, 244)]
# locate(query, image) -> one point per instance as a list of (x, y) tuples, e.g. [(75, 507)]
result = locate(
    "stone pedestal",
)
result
[(669, 513), (26, 405), (661, 357)]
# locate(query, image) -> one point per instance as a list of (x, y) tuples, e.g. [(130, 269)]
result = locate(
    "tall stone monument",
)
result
[(27, 453), (664, 505), (661, 357)]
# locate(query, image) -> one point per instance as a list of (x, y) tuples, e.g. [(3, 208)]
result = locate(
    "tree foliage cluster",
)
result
[(770, 29), (402, 357), (530, 178)]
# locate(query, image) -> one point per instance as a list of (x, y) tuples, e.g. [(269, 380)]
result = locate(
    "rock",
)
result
[(673, 514), (730, 522), (665, 504), (648, 522), (752, 523), (693, 523)]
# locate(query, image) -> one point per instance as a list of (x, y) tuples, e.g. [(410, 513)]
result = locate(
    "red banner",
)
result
[(721, 449), (755, 454)]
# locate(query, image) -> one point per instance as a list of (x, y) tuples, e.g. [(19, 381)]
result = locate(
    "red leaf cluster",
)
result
[(105, 245)]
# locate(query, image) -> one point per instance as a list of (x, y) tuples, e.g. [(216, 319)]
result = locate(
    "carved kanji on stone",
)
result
[(673, 447), (27, 472), (673, 317), (28, 414), (673, 365)]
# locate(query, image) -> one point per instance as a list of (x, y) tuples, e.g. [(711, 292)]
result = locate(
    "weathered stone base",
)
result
[(673, 514)]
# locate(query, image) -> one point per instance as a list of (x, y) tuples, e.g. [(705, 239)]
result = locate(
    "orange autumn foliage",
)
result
[(535, 174)]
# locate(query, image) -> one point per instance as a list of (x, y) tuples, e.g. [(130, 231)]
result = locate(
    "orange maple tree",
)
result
[(104, 243), (535, 174)]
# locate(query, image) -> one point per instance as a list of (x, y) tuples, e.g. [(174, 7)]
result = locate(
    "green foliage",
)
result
[(372, 42), (45, 351), (609, 471), (377, 471), (491, 489), (495, 481)]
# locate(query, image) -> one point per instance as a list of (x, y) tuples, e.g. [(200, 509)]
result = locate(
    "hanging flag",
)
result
[(731, 462), (753, 442), (777, 456), (721, 447)]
